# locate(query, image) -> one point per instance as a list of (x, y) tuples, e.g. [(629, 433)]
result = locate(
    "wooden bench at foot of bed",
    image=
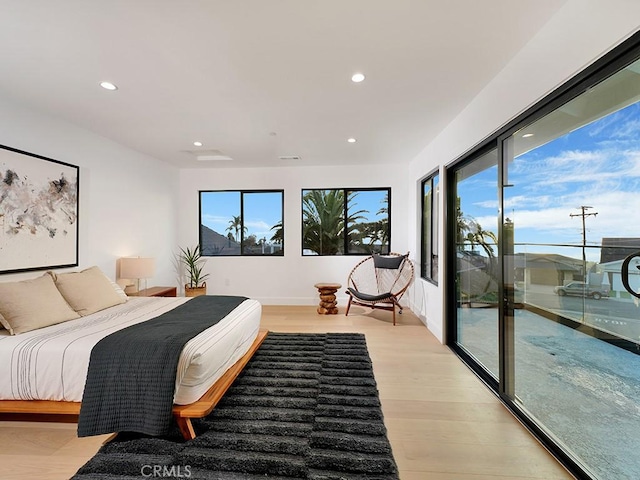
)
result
[(182, 413)]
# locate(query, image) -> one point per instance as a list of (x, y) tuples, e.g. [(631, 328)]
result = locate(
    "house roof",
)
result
[(213, 243), (547, 261), (614, 249)]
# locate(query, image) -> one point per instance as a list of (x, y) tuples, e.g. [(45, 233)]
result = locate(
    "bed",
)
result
[(43, 370)]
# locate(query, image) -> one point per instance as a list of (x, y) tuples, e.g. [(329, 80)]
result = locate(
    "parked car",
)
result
[(582, 289)]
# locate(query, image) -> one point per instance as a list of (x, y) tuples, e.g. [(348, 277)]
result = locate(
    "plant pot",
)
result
[(195, 291)]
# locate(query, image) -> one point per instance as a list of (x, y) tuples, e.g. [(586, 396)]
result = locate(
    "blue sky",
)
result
[(597, 165), (261, 211), (371, 201)]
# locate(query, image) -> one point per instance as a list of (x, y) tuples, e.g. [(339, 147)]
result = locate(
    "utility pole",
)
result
[(584, 215)]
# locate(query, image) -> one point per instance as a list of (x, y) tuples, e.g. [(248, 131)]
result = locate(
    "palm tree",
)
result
[(469, 231), (235, 224), (369, 237), (323, 221), (375, 235), (278, 236), (384, 209), (356, 230), (476, 235), (384, 223)]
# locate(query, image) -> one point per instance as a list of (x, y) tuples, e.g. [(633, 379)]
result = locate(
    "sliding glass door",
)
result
[(543, 224), (476, 259)]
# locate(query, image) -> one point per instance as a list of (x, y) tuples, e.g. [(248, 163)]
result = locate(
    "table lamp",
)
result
[(136, 268)]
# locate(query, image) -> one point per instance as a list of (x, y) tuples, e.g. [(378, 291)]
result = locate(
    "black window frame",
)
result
[(345, 239), (241, 192), (430, 256)]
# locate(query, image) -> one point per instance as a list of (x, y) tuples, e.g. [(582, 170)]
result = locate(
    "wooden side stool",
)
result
[(328, 303)]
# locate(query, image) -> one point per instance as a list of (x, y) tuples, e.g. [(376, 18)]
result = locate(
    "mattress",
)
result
[(51, 363)]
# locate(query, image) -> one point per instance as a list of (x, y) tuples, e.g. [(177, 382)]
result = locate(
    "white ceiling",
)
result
[(259, 79)]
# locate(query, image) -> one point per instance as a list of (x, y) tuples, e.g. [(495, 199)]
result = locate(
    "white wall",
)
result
[(128, 201), (581, 32), (287, 280)]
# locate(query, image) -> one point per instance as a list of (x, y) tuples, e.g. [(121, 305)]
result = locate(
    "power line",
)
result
[(584, 215)]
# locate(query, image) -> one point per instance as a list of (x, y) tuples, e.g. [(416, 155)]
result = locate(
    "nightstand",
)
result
[(156, 292)]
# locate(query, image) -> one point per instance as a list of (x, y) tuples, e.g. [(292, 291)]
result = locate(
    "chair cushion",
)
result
[(365, 297), (390, 262)]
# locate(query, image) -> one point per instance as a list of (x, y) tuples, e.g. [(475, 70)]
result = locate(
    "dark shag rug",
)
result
[(305, 407)]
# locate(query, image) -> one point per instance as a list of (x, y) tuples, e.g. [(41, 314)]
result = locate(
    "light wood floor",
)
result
[(443, 423)]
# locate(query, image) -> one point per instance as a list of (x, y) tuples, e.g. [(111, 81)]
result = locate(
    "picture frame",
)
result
[(39, 210)]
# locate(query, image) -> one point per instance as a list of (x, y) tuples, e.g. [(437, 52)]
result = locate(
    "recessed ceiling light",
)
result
[(351, 140), (108, 86), (527, 135), (197, 144), (357, 77)]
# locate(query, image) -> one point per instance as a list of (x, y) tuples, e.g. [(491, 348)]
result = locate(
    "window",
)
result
[(477, 269), (430, 206), (242, 223), (346, 221)]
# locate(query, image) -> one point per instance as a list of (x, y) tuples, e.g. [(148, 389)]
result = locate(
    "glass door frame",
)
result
[(451, 327), (503, 387)]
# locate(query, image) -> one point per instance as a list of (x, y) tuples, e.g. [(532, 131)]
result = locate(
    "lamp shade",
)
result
[(137, 267)]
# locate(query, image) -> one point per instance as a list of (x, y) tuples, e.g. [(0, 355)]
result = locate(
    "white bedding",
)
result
[(51, 363)]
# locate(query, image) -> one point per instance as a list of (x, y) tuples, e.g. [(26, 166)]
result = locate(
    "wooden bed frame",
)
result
[(182, 413)]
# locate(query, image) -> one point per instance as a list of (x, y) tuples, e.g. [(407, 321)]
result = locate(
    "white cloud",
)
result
[(527, 201), (629, 129), (599, 126), (612, 219), (209, 220), (259, 228), (575, 170)]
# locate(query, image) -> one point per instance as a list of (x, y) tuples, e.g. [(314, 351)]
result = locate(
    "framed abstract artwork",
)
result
[(38, 212)]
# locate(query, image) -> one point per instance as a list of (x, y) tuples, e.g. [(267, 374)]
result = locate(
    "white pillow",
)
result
[(32, 304), (87, 291)]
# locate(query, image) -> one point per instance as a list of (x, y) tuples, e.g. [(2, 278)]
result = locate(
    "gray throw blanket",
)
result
[(132, 372)]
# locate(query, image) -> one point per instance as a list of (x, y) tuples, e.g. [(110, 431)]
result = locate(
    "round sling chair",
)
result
[(379, 281)]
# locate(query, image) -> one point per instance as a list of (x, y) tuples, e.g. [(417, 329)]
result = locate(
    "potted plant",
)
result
[(194, 263)]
